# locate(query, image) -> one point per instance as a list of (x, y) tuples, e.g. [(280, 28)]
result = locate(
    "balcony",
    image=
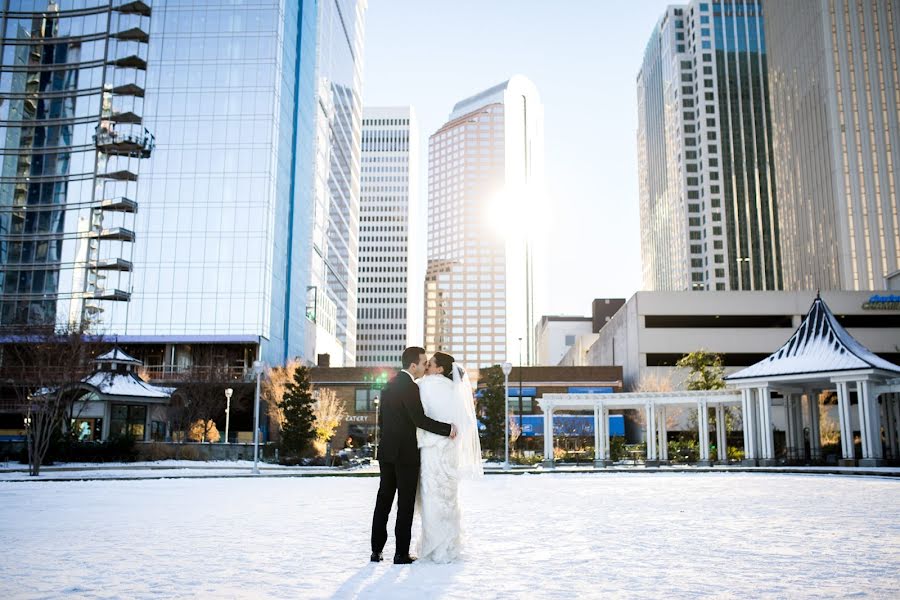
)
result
[(125, 117), (130, 62), (120, 204), (135, 34), (114, 233), (134, 8), (123, 175), (129, 89), (113, 295), (112, 264), (116, 143)]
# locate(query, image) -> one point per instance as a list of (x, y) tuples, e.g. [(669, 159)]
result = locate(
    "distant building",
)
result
[(556, 334), (485, 176), (648, 335), (390, 309), (708, 207), (835, 109)]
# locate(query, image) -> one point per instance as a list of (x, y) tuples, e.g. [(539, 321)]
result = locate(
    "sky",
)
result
[(583, 56)]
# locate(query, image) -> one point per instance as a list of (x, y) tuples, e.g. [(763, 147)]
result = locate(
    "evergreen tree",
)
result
[(706, 372), (491, 408), (298, 430)]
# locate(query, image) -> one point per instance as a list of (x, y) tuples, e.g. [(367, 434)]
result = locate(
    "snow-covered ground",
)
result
[(538, 536)]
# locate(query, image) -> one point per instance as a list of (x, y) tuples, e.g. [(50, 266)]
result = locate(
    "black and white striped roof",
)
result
[(820, 345)]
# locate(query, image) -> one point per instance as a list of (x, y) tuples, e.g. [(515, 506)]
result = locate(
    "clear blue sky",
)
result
[(583, 55)]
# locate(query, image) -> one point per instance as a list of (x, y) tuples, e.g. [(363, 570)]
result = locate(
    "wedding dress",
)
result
[(444, 462)]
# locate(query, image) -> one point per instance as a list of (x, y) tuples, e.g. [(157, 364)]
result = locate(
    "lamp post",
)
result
[(375, 401), (258, 367), (507, 369), (520, 386), (228, 393)]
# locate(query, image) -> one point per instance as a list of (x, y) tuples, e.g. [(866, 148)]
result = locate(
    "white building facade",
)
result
[(485, 184), (391, 238), (654, 329), (835, 98), (555, 335), (708, 208)]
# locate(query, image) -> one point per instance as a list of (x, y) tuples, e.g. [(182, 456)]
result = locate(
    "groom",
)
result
[(398, 454)]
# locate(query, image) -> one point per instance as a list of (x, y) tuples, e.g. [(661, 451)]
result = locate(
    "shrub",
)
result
[(156, 451), (684, 451)]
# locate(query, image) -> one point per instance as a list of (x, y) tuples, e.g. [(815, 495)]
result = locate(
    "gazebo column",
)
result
[(600, 436), (650, 412), (548, 461), (747, 416), (789, 428), (703, 426), (869, 425), (604, 413), (815, 436), (890, 423), (767, 440), (848, 458), (721, 434), (663, 434)]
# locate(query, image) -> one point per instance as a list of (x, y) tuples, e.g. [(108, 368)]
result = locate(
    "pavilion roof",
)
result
[(820, 345)]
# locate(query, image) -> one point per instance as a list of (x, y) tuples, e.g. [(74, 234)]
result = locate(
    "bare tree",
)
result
[(328, 413), (655, 382), (273, 387), (44, 365), (514, 431), (200, 400)]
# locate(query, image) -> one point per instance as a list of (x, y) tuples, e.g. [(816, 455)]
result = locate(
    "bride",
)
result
[(446, 394)]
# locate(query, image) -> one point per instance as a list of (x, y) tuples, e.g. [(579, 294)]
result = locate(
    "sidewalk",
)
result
[(181, 469)]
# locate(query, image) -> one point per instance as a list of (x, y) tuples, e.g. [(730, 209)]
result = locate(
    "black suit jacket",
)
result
[(401, 413)]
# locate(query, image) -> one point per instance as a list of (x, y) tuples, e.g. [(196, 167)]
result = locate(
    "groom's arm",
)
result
[(412, 402)]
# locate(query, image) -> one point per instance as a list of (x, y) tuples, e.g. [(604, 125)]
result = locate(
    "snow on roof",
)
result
[(117, 355), (125, 384), (820, 345)]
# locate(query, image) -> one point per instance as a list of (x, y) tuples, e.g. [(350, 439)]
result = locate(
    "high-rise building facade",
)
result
[(73, 142), (391, 238), (709, 214), (252, 107), (485, 177), (835, 95), (332, 295)]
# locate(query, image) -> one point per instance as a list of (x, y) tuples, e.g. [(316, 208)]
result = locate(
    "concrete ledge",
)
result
[(847, 462), (768, 462), (872, 462), (748, 462), (651, 463)]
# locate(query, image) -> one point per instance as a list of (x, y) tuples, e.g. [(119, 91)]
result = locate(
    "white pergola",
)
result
[(654, 406), (821, 356)]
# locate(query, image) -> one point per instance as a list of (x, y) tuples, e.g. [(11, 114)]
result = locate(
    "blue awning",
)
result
[(526, 392), (569, 425), (591, 390)]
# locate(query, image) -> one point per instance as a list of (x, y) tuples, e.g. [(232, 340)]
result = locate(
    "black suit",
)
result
[(398, 456)]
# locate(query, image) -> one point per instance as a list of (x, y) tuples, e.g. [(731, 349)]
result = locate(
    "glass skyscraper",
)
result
[(709, 215), (72, 112), (835, 91), (194, 240)]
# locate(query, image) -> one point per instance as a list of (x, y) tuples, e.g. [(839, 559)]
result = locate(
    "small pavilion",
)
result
[(113, 401), (821, 356)]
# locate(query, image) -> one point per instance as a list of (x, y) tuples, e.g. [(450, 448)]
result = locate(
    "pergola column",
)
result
[(600, 436), (650, 412), (767, 441), (747, 416), (815, 435), (703, 426), (892, 419), (847, 452), (663, 434), (869, 425), (548, 438), (721, 434), (789, 429)]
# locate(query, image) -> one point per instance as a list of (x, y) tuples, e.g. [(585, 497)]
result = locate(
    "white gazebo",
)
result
[(821, 356)]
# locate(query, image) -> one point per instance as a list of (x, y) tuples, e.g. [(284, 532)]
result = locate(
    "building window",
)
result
[(570, 340), (365, 400), (128, 420)]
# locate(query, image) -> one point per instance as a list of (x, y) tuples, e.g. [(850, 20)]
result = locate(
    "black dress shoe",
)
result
[(376, 557), (404, 560)]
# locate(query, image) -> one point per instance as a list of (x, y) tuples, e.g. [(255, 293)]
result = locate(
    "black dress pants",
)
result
[(402, 479)]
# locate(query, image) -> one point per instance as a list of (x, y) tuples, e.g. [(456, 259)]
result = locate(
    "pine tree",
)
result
[(298, 430), (491, 408)]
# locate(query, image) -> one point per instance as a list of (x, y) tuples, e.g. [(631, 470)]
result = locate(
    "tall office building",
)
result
[(835, 95), (236, 94), (709, 217), (391, 238), (332, 295), (485, 172), (72, 85)]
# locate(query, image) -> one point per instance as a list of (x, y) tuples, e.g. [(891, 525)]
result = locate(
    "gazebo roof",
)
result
[(819, 346), (117, 355), (125, 385)]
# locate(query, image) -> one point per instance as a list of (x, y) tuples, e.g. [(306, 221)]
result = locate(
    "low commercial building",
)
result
[(648, 335), (555, 335)]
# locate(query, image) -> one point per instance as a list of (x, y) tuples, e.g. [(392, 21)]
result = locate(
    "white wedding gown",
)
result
[(443, 463)]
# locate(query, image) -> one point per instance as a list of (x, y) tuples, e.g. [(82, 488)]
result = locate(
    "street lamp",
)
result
[(228, 393), (507, 369), (376, 402), (258, 367)]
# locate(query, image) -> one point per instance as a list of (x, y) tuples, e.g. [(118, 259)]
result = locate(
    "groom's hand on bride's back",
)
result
[(452, 431)]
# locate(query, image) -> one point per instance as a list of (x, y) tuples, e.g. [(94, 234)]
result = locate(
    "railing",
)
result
[(177, 373)]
